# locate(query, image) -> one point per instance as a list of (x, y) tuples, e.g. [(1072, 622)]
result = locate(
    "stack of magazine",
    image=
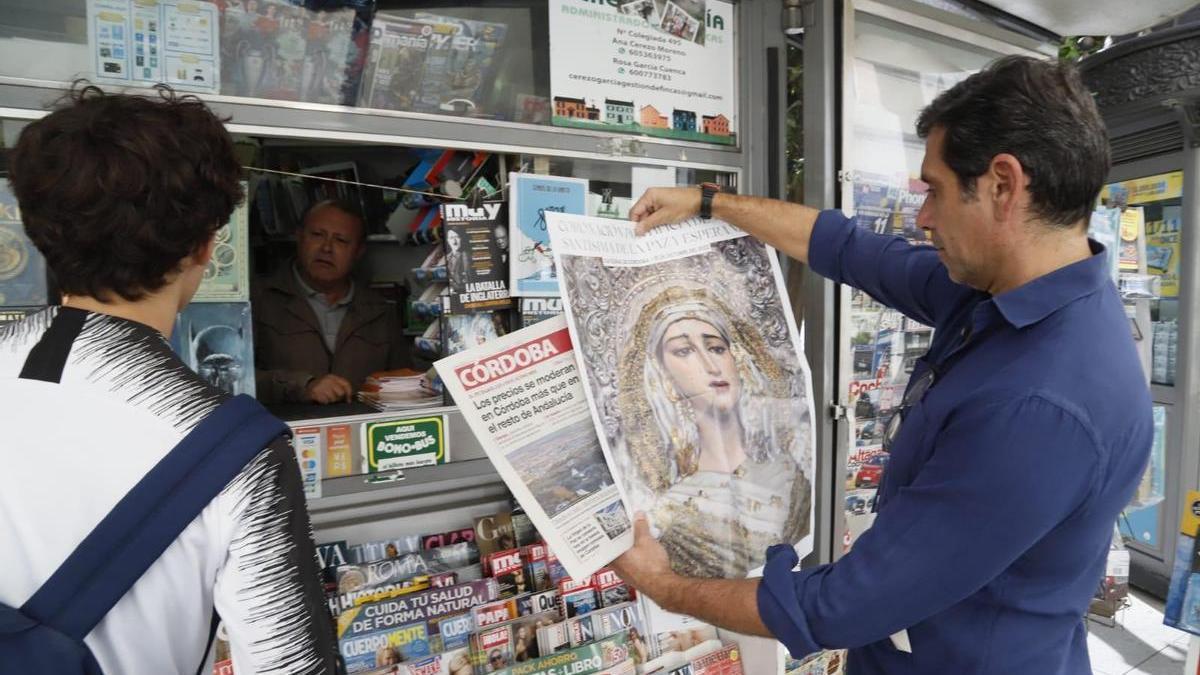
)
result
[(399, 390)]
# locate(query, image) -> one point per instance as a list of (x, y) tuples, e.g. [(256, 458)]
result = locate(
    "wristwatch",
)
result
[(707, 192)]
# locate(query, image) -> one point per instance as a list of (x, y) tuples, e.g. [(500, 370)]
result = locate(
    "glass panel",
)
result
[(24, 285), (472, 59), (1161, 199), (884, 155), (1141, 521)]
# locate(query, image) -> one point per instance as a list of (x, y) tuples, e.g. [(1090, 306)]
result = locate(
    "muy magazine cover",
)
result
[(523, 399), (703, 398)]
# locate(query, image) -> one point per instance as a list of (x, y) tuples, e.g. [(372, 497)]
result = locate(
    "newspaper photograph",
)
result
[(523, 398), (696, 379)]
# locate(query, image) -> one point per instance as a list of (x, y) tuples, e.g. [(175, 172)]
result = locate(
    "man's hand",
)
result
[(663, 206), (329, 388), (645, 566), (728, 603), (787, 227)]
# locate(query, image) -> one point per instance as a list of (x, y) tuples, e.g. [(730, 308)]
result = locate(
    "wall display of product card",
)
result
[(144, 42)]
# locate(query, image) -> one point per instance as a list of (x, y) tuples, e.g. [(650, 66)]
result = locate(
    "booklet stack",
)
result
[(399, 390)]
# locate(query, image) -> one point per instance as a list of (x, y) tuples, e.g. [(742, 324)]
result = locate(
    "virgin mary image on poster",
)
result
[(703, 398)]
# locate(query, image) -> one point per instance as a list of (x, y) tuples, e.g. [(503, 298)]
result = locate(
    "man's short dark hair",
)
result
[(116, 189), (1039, 112)]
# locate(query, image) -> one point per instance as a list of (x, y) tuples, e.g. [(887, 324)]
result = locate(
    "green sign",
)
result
[(403, 444)]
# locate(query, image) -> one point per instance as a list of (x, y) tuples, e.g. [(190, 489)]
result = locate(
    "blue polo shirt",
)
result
[(996, 511)]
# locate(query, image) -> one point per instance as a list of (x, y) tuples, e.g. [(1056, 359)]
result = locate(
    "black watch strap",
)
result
[(707, 192)]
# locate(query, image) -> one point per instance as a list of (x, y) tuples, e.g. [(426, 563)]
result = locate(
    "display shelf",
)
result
[(28, 99), (350, 505)]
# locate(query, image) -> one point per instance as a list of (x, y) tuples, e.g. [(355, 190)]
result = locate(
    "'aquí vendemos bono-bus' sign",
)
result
[(404, 443), (656, 67)]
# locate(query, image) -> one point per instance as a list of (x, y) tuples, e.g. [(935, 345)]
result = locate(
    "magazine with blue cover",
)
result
[(215, 339), (531, 258), (1182, 608)]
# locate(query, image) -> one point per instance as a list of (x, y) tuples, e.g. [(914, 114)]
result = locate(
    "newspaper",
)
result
[(522, 397), (695, 375)]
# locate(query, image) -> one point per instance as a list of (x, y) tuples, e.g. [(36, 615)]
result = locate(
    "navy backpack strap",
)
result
[(120, 549)]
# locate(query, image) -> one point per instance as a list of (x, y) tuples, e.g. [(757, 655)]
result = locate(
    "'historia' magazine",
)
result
[(523, 399)]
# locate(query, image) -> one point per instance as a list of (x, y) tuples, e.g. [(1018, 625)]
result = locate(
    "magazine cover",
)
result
[(406, 566), (285, 50), (507, 568), (447, 538), (476, 245), (531, 259), (464, 331), (491, 649), (459, 70), (215, 340), (227, 277), (384, 548), (383, 646), (22, 268), (821, 663), (429, 606), (494, 533), (339, 602), (672, 368), (1182, 609), (449, 662), (522, 398), (610, 655), (725, 661), (533, 310), (396, 61)]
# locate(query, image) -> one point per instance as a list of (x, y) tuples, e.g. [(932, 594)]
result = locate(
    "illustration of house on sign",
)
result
[(565, 106), (650, 117), (618, 112), (717, 125), (683, 120)]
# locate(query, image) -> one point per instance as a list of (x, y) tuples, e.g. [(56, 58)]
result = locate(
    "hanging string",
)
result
[(437, 195)]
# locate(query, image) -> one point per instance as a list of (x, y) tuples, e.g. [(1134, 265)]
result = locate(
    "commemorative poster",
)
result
[(531, 258), (702, 398), (655, 67)]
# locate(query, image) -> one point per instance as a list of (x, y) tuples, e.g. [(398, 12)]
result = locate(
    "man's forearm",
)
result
[(728, 603), (784, 225)]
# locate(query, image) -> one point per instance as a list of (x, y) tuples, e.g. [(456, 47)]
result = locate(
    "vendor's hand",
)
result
[(663, 206), (645, 566), (329, 388)]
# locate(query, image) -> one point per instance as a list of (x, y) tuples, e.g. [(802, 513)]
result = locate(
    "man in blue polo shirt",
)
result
[(1023, 431)]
